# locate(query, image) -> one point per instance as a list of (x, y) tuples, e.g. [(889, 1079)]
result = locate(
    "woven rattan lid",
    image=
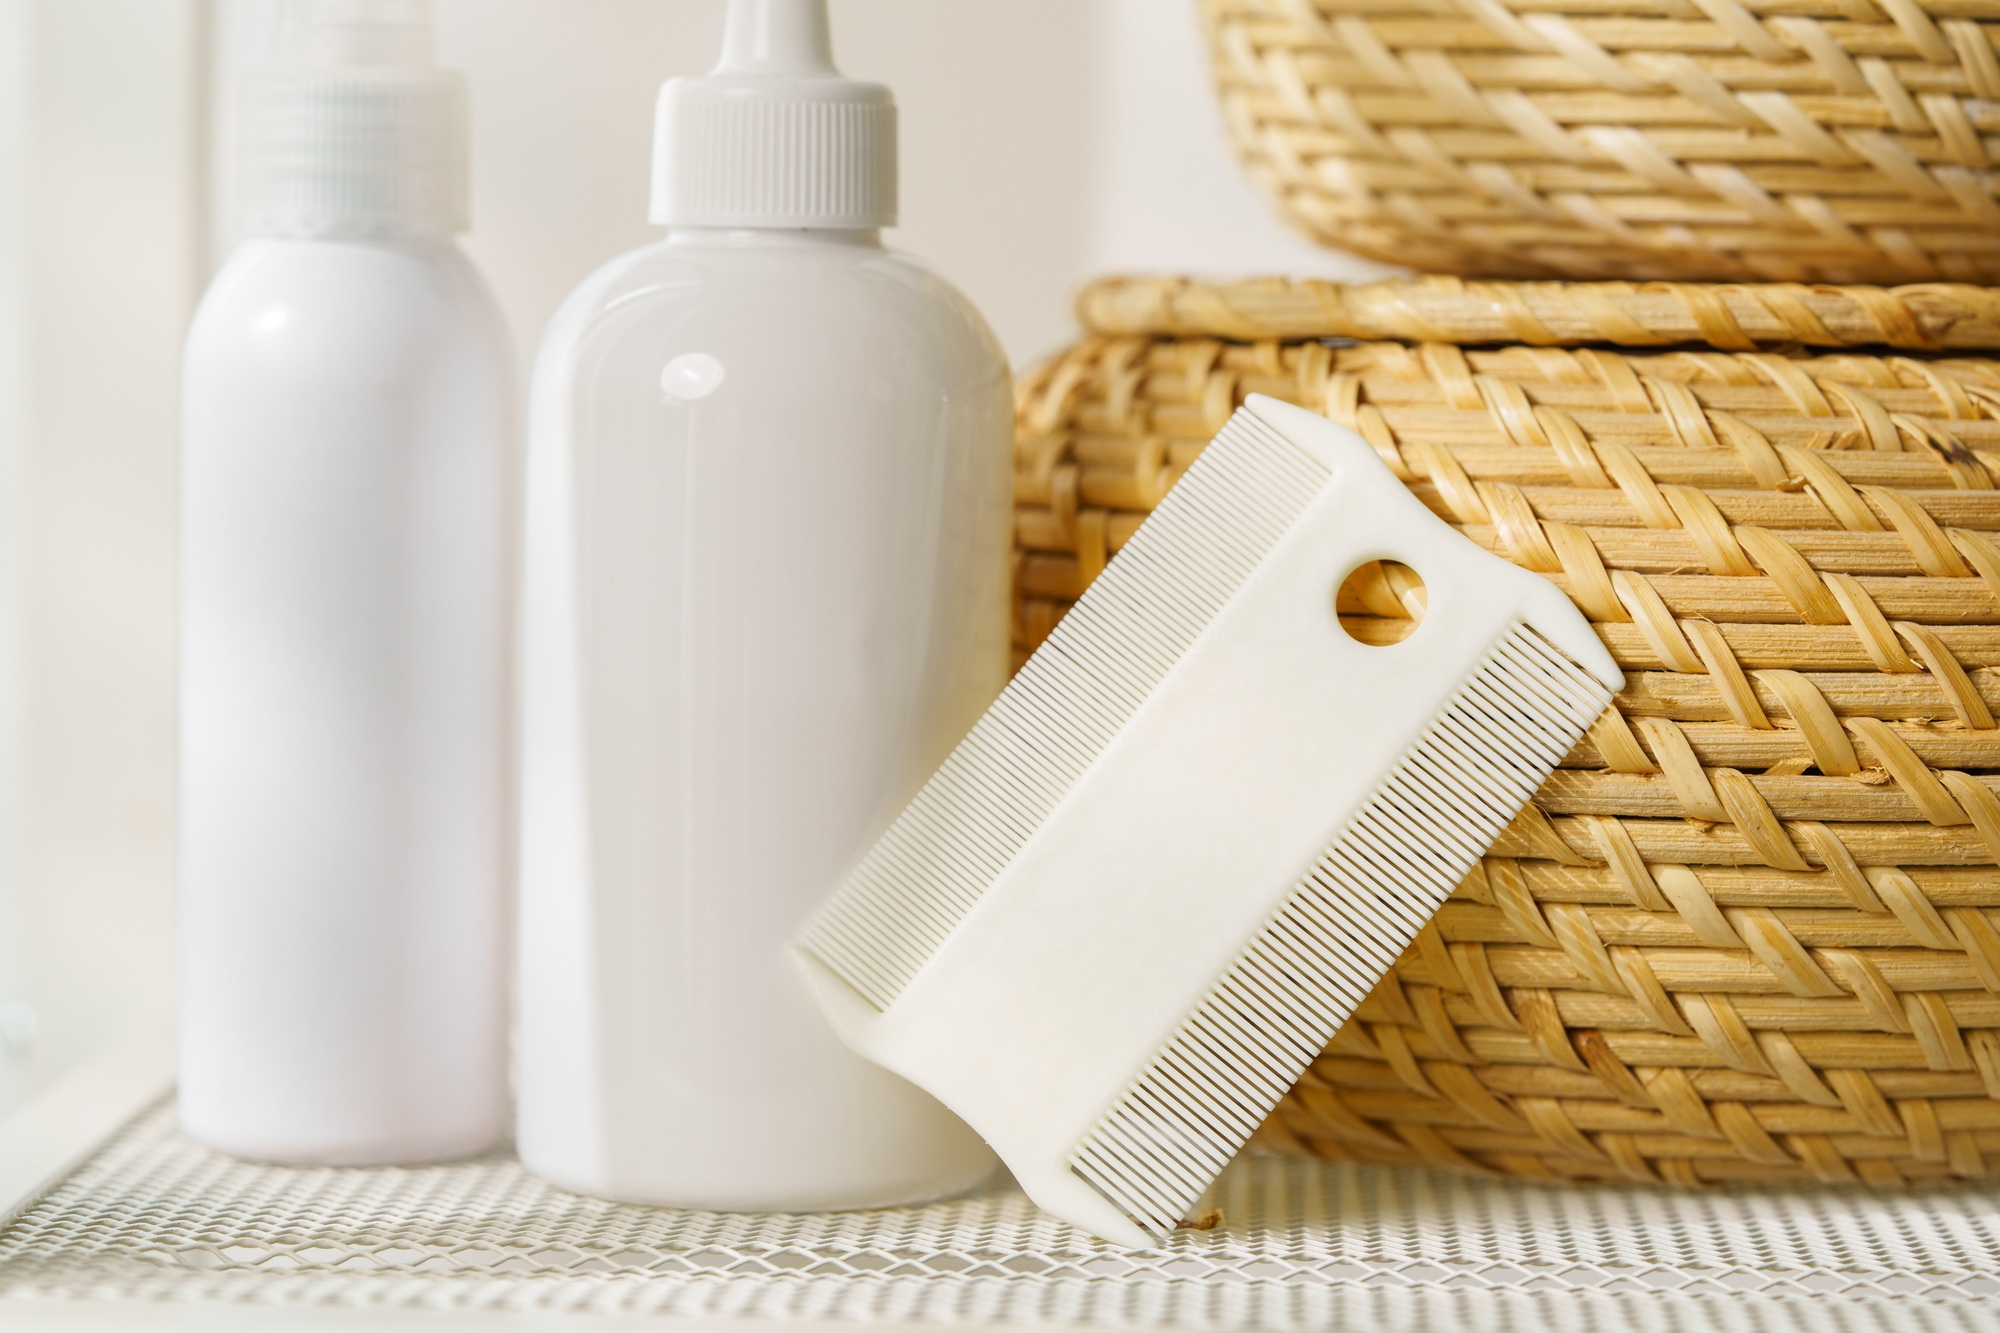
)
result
[(1729, 317), (1829, 141)]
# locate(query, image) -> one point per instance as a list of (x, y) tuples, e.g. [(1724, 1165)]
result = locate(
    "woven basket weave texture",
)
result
[(1751, 929), (1815, 140)]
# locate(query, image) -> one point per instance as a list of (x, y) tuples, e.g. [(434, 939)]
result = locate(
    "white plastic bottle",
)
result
[(768, 507), (345, 840)]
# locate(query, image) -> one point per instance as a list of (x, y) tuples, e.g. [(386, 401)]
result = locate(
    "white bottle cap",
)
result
[(355, 131), (774, 136)]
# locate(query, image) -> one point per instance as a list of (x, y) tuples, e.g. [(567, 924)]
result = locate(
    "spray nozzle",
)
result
[(355, 130), (357, 34)]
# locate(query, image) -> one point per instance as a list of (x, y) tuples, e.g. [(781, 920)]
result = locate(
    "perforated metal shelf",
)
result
[(152, 1217)]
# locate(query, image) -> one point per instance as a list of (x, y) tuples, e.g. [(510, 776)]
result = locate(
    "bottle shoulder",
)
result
[(868, 298), (278, 300)]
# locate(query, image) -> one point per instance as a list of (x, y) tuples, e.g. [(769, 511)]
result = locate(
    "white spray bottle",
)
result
[(345, 465), (769, 470)]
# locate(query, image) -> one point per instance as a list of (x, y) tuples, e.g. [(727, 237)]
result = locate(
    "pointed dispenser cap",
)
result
[(774, 136), (355, 130)]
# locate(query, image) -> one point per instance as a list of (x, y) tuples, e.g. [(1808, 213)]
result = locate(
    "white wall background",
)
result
[(101, 247), (1044, 142), (17, 1047)]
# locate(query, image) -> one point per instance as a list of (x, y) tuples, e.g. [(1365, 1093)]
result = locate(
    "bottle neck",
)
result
[(413, 239), (801, 238)]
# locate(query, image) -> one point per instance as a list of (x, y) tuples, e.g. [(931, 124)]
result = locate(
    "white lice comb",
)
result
[(1201, 824)]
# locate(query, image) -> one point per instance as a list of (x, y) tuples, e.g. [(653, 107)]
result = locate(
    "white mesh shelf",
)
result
[(153, 1217)]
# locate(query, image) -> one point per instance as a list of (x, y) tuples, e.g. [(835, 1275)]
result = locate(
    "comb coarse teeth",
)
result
[(1195, 1104)]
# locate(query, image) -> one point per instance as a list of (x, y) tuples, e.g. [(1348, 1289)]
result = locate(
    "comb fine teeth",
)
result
[(1269, 1016)]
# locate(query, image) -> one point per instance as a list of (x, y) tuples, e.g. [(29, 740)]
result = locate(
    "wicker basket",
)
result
[(1751, 929), (1816, 140)]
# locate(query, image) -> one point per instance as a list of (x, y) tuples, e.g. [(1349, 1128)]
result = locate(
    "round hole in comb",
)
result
[(1380, 603)]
